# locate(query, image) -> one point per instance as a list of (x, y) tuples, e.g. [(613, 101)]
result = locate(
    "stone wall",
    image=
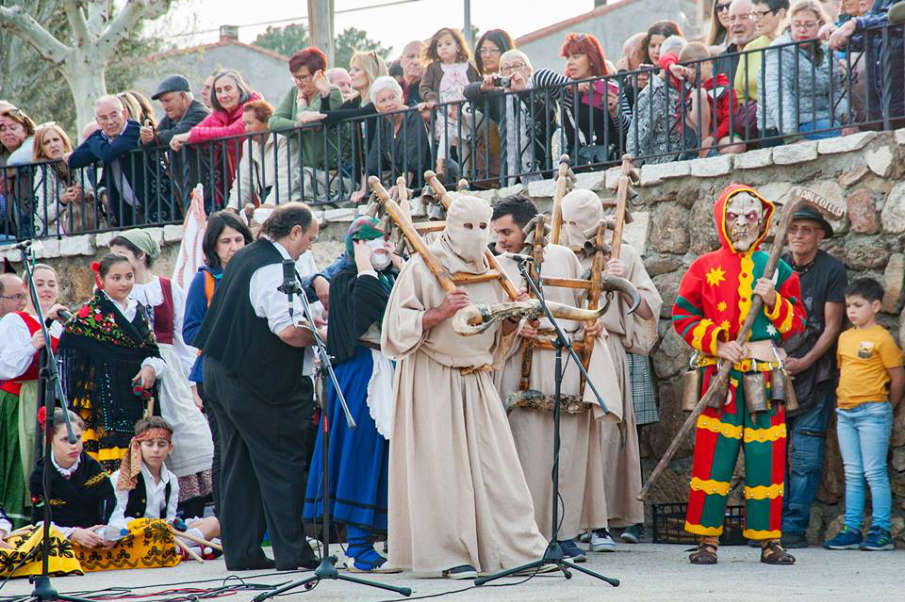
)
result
[(673, 224)]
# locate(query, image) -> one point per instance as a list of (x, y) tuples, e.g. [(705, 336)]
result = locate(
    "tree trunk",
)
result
[(86, 81)]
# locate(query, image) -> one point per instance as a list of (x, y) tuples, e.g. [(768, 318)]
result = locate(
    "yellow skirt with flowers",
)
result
[(27, 553), (149, 544)]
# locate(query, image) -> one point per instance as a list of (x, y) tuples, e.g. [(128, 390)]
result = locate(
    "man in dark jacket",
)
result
[(182, 113), (123, 177)]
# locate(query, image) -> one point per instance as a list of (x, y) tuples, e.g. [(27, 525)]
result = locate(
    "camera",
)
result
[(502, 81)]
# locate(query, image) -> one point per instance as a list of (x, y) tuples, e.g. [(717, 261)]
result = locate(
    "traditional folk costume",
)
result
[(627, 334), (714, 298), (165, 307), (19, 364), (264, 395), (457, 496), (357, 463), (82, 496), (581, 470), (102, 348)]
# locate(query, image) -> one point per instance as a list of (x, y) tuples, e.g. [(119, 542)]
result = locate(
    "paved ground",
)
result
[(647, 572)]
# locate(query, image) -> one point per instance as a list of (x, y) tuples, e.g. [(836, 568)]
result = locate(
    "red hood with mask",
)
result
[(715, 294)]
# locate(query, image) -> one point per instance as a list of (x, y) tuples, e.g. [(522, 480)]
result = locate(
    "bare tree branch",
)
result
[(127, 18), (76, 19), (25, 27)]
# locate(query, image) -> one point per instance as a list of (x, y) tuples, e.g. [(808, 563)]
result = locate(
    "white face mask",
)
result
[(380, 256)]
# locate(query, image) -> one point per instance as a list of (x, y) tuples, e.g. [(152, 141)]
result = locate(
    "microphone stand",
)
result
[(327, 568), (554, 554), (50, 394)]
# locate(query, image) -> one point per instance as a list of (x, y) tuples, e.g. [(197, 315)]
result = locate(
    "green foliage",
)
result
[(285, 40), (352, 39), (291, 38)]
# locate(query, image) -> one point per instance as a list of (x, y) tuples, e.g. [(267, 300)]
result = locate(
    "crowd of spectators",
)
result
[(768, 72)]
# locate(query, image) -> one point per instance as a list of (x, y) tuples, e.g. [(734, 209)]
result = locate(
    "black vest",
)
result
[(138, 500), (240, 340)]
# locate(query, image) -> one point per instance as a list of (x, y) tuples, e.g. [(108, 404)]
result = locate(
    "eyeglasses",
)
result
[(721, 8), (741, 18), (512, 68), (805, 25), (16, 297), (300, 78), (802, 230), (489, 50)]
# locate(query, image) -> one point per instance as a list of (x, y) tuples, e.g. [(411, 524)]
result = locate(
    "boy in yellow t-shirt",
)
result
[(868, 359)]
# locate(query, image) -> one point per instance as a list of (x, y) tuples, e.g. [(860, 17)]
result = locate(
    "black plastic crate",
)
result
[(669, 525)]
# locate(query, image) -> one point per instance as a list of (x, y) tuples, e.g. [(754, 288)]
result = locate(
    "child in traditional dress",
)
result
[(444, 81), (164, 305), (146, 488), (109, 362)]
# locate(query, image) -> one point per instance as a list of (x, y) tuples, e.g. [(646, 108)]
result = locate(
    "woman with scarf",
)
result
[(20, 354), (110, 362), (357, 461), (164, 305)]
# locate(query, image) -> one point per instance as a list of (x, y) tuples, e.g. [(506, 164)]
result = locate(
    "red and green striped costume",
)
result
[(713, 302)]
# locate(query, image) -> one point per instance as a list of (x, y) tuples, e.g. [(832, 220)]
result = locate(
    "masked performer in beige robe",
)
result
[(458, 502), (582, 210), (581, 470)]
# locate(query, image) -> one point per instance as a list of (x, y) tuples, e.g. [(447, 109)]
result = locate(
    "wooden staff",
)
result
[(561, 189), (185, 548), (443, 199), (199, 540), (537, 251), (719, 384), (411, 235), (622, 189)]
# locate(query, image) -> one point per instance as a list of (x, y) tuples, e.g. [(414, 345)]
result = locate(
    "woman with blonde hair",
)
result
[(59, 191)]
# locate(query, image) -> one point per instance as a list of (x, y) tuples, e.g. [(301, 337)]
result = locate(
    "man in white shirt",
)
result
[(256, 370)]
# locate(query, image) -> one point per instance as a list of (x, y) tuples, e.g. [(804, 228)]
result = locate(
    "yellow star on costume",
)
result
[(721, 306), (715, 276), (724, 324)]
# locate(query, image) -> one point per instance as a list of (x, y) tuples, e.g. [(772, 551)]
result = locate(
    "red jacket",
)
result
[(726, 101), (220, 124)]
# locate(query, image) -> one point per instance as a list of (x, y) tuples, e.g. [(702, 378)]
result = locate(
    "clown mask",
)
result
[(745, 220)]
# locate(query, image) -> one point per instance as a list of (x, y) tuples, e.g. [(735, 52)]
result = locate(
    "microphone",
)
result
[(64, 314), (288, 287), (519, 257)]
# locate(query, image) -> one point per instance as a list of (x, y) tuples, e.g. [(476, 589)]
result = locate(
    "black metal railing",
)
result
[(495, 137)]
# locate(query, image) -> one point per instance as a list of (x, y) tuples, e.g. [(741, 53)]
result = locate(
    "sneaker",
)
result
[(846, 539), (794, 540), (877, 539), (463, 571), (585, 537), (632, 533), (572, 552), (602, 541)]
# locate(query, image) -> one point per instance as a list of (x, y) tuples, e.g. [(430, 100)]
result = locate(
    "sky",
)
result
[(390, 25)]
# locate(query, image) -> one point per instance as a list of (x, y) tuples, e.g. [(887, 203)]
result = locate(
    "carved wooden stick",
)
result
[(621, 204), (563, 183), (199, 540), (185, 548), (719, 383), (411, 235)]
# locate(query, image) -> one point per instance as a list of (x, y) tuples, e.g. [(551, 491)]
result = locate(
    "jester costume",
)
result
[(713, 302), (100, 354)]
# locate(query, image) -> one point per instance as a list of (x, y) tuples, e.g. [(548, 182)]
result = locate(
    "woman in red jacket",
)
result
[(228, 98)]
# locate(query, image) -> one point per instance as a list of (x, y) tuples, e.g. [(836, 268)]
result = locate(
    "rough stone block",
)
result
[(865, 255), (47, 249), (541, 188), (893, 216), (674, 169), (670, 230), (879, 160), (754, 159), (612, 177), (344, 214), (790, 154), (102, 239), (659, 264), (635, 233), (512, 190), (592, 180), (704, 237), (650, 174), (893, 279), (672, 355), (845, 144), (852, 177), (900, 136), (82, 244), (775, 191), (711, 167), (862, 213), (172, 233)]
